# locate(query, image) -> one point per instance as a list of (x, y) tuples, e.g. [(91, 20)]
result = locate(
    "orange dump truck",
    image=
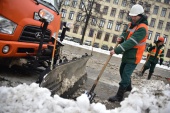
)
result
[(21, 27)]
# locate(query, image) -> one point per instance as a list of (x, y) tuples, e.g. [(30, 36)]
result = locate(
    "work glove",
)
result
[(151, 48), (161, 60)]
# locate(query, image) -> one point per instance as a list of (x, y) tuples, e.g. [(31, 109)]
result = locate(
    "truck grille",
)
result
[(28, 35)]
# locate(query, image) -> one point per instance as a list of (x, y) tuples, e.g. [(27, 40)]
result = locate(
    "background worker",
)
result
[(132, 43), (156, 52)]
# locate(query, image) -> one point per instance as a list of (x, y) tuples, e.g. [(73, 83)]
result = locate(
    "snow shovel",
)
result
[(91, 93), (140, 73)]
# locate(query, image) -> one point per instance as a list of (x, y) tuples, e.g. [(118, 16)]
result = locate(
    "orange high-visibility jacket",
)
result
[(141, 46)]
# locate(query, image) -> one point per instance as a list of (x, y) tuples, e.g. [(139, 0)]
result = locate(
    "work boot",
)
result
[(149, 76), (129, 88), (119, 96), (141, 72)]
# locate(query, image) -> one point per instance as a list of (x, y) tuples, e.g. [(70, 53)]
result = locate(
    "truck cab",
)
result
[(21, 28)]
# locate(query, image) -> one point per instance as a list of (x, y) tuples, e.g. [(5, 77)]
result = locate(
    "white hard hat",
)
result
[(136, 9)]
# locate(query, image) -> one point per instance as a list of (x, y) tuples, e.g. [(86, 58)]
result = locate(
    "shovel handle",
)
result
[(145, 63), (53, 53), (107, 61), (101, 72)]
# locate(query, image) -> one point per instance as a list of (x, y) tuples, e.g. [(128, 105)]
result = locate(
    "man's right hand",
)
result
[(119, 39)]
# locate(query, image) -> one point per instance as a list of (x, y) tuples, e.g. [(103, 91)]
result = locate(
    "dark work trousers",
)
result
[(151, 65), (126, 70)]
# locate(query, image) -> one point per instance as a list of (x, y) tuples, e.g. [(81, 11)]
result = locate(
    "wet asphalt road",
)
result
[(115, 61)]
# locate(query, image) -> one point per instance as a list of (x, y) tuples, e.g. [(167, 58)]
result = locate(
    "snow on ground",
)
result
[(151, 96)]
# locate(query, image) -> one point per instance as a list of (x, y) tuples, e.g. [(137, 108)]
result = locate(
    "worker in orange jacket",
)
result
[(132, 43), (156, 53)]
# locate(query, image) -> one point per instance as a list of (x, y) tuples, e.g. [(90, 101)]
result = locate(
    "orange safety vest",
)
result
[(153, 52), (142, 44)]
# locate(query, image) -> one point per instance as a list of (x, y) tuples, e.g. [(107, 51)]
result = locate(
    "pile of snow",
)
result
[(153, 97)]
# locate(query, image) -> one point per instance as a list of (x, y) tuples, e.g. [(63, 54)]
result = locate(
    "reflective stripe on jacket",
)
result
[(142, 44)]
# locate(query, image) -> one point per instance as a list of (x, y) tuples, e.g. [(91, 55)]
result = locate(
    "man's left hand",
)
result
[(112, 52)]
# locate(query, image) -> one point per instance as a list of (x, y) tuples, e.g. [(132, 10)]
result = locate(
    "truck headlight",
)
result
[(46, 15), (5, 49), (7, 26)]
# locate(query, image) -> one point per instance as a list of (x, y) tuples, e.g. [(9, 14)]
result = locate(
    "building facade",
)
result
[(110, 17)]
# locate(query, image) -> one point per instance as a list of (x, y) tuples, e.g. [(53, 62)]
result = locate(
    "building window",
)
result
[(152, 23), (74, 3), (85, 18), (167, 1), (147, 8), (167, 26), (121, 13), (82, 30), (155, 11), (114, 40), (166, 38), (147, 44), (157, 36), (160, 24), (115, 1), (61, 25), (125, 27), (140, 2), (124, 3), (128, 16), (110, 24), (79, 16), (105, 10), (131, 4), (118, 25), (97, 8), (76, 28), (91, 33), (63, 13), (89, 5), (99, 34), (150, 35), (66, 2), (168, 53), (102, 22), (108, 1), (113, 12), (106, 38), (163, 13), (81, 6), (94, 21), (71, 15)]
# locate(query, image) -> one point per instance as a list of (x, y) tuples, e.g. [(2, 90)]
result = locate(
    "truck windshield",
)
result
[(50, 4)]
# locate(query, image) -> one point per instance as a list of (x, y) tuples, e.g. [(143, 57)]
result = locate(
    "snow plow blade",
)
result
[(66, 77)]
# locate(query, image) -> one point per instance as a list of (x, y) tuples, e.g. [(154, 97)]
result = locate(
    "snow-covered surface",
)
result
[(150, 96)]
